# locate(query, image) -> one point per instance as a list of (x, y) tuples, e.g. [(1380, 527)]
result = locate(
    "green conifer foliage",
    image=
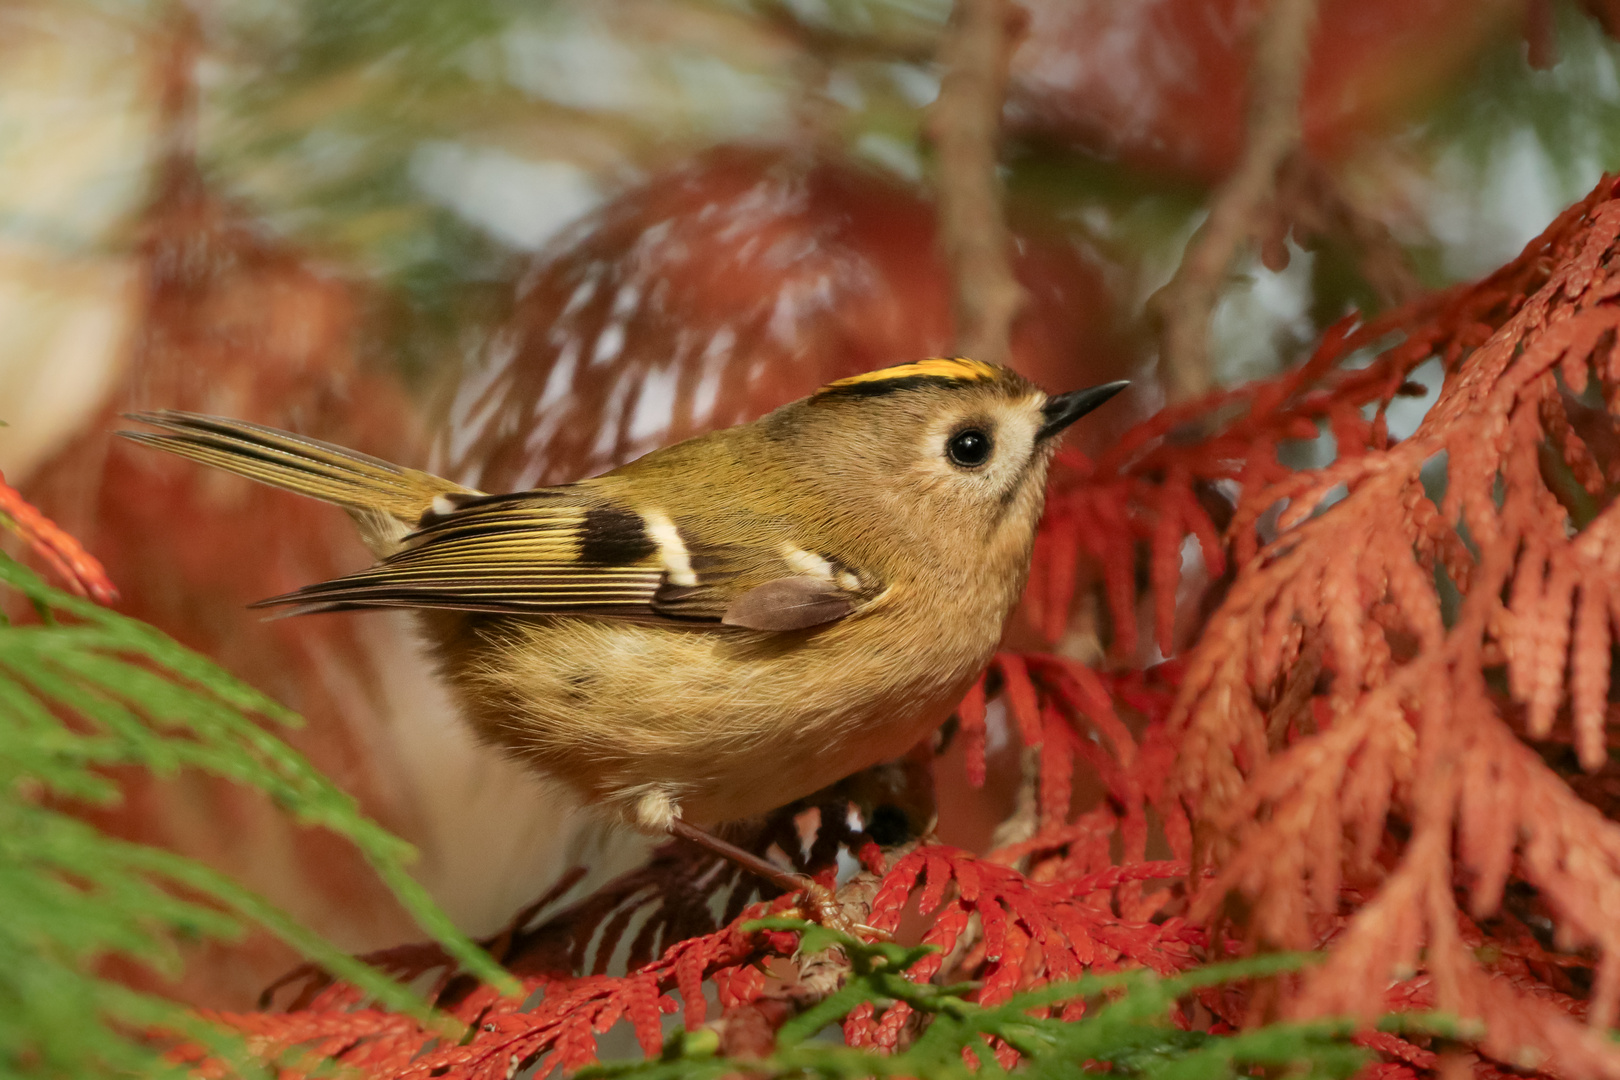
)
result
[(84, 689)]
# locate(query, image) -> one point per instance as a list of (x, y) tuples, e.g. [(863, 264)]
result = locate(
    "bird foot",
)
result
[(820, 905)]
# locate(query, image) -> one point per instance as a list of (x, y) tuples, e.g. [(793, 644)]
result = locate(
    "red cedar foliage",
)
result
[(1460, 727), (1069, 910), (1375, 742), (76, 568)]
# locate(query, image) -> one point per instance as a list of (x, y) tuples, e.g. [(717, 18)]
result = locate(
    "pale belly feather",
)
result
[(712, 725)]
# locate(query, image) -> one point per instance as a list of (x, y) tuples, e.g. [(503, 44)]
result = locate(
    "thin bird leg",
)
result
[(819, 899)]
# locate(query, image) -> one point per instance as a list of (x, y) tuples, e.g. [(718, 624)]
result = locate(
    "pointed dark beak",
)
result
[(1063, 410)]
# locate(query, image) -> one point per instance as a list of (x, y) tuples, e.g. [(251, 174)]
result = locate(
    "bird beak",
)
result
[(1061, 411)]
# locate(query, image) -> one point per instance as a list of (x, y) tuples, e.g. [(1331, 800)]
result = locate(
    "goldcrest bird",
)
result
[(722, 626)]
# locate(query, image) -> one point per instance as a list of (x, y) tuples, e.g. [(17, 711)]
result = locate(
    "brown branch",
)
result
[(964, 125), (175, 79), (1240, 206), (1025, 819), (1541, 35)]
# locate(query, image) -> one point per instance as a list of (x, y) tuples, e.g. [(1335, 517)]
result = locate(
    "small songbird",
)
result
[(722, 626)]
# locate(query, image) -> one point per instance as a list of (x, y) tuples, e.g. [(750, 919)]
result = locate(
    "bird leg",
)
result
[(820, 900)]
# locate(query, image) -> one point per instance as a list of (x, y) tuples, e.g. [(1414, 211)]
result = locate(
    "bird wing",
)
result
[(573, 550)]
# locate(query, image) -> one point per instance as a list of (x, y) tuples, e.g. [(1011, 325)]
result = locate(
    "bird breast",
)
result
[(715, 725)]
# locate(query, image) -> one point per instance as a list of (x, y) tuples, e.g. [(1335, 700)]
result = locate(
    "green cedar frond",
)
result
[(85, 689), (1127, 1026)]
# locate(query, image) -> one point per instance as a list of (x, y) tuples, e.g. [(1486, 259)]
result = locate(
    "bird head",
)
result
[(956, 442)]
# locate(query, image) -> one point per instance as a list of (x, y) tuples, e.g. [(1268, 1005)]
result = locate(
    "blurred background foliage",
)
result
[(390, 222), (427, 147)]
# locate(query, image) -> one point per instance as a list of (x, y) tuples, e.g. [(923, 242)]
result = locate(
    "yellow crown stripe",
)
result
[(959, 368)]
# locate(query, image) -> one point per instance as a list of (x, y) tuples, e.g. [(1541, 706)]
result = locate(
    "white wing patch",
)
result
[(807, 563), (677, 560)]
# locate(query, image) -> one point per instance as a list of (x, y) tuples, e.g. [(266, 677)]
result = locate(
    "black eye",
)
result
[(969, 449)]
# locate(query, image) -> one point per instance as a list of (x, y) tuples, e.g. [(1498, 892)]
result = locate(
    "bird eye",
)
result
[(969, 449)]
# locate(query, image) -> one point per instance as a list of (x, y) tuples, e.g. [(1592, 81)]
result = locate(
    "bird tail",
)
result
[(380, 496)]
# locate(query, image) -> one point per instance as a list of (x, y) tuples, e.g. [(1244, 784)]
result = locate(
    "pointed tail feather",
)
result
[(369, 488)]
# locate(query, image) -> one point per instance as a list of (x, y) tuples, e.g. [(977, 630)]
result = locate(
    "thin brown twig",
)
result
[(964, 125), (1238, 209)]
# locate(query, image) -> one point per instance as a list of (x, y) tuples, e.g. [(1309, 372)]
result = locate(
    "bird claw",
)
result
[(820, 905)]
